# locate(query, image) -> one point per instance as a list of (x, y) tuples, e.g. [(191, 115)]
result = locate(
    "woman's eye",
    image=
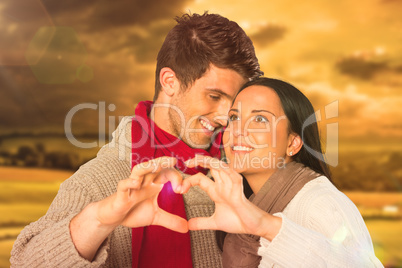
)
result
[(261, 119), (233, 117)]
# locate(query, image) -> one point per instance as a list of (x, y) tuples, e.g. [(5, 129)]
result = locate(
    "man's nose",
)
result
[(222, 111), (221, 120)]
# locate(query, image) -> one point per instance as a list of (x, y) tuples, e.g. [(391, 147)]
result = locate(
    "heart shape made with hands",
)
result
[(161, 170), (221, 189), (234, 213), (147, 180)]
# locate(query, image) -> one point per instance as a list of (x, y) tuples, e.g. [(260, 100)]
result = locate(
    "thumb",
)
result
[(202, 223), (170, 221)]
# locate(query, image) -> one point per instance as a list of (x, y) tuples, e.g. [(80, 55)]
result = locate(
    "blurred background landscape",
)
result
[(75, 68)]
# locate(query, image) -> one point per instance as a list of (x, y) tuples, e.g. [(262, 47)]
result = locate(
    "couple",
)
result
[(118, 211)]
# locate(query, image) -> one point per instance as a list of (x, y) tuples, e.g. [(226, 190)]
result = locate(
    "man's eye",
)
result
[(233, 117), (215, 97), (261, 119)]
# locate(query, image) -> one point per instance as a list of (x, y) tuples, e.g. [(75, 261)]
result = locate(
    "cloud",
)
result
[(100, 15), (144, 44), (360, 68), (374, 66), (21, 19), (121, 39), (268, 34), (93, 15), (27, 104), (392, 2), (359, 113)]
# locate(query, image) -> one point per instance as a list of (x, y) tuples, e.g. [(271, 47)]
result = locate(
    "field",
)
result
[(25, 195)]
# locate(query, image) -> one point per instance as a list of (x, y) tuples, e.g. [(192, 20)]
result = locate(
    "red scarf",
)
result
[(156, 246)]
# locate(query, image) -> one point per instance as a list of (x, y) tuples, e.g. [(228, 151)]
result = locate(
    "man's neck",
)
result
[(160, 115)]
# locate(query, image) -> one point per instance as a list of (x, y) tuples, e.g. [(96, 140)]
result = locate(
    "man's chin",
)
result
[(204, 146), (199, 144)]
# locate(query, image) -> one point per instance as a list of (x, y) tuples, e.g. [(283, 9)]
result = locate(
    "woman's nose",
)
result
[(238, 129)]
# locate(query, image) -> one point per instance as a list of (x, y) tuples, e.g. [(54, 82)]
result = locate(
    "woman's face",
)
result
[(257, 137)]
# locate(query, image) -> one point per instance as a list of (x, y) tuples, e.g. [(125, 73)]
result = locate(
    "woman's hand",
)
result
[(234, 213), (134, 204)]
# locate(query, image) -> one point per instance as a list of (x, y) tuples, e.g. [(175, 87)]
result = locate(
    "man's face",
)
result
[(203, 107)]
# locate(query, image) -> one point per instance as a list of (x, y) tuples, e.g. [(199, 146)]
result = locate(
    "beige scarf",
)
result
[(240, 250)]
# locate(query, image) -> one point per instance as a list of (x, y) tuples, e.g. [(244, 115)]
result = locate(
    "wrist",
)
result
[(87, 232), (103, 225), (272, 226)]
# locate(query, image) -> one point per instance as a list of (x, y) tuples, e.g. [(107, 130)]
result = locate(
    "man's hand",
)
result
[(134, 204)]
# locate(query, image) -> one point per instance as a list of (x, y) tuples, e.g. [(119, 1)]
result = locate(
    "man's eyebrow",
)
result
[(221, 92)]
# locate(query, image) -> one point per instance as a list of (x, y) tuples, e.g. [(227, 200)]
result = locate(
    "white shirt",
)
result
[(321, 227)]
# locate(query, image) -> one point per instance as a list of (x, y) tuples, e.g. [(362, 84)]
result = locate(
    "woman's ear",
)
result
[(295, 143), (169, 82)]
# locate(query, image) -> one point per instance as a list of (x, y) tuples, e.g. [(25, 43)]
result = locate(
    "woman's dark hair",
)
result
[(302, 121), (200, 40)]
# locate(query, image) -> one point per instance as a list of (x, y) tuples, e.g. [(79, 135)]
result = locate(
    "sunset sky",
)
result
[(345, 51)]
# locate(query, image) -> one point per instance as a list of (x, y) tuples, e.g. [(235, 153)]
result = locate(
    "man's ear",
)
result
[(295, 143), (169, 82)]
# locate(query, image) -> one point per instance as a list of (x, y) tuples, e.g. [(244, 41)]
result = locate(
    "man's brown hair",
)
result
[(200, 40)]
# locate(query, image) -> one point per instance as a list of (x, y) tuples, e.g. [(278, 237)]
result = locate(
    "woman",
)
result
[(295, 217)]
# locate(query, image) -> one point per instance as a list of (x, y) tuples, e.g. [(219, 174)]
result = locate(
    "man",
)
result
[(203, 62)]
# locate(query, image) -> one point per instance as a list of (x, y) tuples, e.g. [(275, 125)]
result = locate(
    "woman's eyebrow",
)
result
[(253, 111), (259, 111)]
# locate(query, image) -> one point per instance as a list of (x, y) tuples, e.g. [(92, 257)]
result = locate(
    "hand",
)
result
[(135, 202), (234, 213)]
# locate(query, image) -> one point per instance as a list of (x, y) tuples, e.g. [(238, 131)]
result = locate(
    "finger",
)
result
[(235, 177), (216, 175), (202, 223), (206, 162), (170, 221), (199, 179), (129, 189), (126, 185), (128, 193), (224, 177), (150, 167), (190, 162), (172, 175)]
